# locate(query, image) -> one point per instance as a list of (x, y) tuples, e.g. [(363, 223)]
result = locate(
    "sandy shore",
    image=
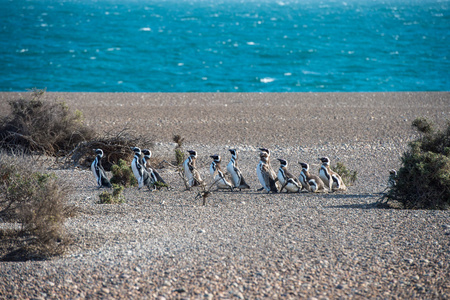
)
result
[(250, 244)]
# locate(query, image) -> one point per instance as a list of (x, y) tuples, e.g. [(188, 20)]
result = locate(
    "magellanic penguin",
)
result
[(153, 176), (137, 166), (190, 171), (286, 179), (392, 181), (266, 174), (99, 172), (331, 179), (217, 175), (236, 176), (310, 181)]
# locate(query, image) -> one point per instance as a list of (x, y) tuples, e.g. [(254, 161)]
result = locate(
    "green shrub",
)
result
[(43, 127), (423, 181), (348, 176), (179, 156), (36, 200), (123, 174), (115, 197)]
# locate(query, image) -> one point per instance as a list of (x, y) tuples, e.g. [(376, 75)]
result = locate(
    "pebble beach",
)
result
[(248, 244)]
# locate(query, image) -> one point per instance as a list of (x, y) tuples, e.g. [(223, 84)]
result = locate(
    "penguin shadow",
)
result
[(373, 205)]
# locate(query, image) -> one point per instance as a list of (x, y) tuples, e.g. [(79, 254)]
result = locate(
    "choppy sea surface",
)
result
[(225, 45)]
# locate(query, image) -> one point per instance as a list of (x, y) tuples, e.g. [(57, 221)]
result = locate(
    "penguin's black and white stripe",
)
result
[(331, 179), (152, 176), (99, 172), (309, 181), (138, 167), (217, 175), (286, 179), (236, 176), (192, 175), (266, 175)]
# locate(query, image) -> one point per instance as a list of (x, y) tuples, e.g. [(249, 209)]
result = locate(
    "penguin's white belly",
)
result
[(234, 176), (261, 177), (302, 179), (222, 183), (188, 173), (94, 170), (323, 176), (212, 170), (281, 178), (291, 187), (136, 173)]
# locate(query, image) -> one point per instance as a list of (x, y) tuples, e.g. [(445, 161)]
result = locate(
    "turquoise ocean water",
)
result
[(225, 45)]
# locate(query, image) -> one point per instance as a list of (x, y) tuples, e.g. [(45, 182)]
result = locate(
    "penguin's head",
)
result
[(325, 160), (192, 153), (136, 150), (264, 156), (147, 153), (99, 152), (215, 157), (392, 172), (265, 150), (283, 162), (233, 151), (304, 166)]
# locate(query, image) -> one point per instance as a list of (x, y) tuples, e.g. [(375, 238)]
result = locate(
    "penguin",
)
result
[(138, 167), (190, 171), (392, 181), (236, 176), (99, 172), (331, 179), (266, 174), (153, 176), (217, 175), (310, 181), (286, 179)]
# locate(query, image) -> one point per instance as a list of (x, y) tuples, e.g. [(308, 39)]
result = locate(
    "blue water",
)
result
[(225, 45)]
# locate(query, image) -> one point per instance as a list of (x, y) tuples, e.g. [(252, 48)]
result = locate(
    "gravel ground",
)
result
[(249, 244)]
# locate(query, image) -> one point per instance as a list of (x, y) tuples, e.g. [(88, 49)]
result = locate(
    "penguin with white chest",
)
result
[(286, 179), (309, 181), (138, 167), (99, 172), (153, 176), (331, 179), (190, 170), (217, 175), (266, 175), (234, 171)]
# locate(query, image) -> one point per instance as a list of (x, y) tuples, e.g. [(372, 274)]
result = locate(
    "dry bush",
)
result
[(348, 176), (116, 145), (42, 127), (37, 201)]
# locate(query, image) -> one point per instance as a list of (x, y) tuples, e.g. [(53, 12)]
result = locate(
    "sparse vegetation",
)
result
[(116, 197), (115, 144), (35, 200), (348, 176), (123, 175), (179, 154), (423, 181), (42, 127), (179, 158)]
